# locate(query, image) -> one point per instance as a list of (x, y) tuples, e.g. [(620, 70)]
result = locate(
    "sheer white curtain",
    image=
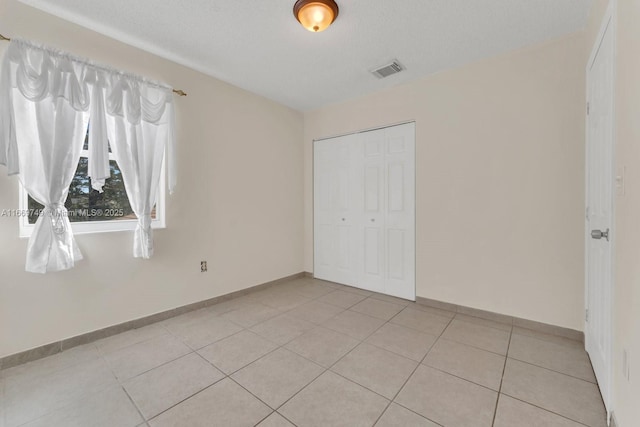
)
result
[(46, 100), (139, 118), (46, 107)]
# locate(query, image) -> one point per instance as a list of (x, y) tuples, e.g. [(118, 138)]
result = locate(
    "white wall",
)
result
[(500, 179), (626, 310), (239, 205)]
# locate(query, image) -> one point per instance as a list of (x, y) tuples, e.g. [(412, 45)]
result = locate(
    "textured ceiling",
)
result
[(259, 46)]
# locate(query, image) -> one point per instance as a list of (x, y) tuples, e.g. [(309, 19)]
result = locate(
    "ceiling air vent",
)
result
[(388, 70)]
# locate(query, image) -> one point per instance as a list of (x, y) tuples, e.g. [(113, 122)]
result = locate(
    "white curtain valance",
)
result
[(47, 98), (39, 72)]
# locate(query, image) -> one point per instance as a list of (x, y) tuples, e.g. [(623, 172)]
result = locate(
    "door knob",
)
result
[(599, 234)]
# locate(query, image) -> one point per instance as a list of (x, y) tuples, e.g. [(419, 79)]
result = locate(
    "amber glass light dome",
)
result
[(315, 15)]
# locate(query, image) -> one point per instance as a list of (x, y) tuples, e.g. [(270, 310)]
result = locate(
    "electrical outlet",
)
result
[(203, 266)]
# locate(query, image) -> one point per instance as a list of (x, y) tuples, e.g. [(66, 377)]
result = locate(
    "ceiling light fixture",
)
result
[(315, 15)]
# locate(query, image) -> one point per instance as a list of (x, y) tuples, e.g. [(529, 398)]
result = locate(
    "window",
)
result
[(91, 211)]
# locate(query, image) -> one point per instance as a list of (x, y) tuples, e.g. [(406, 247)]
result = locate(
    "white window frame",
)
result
[(90, 227)]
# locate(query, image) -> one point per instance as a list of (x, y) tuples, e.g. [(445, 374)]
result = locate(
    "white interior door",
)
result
[(377, 252), (599, 223)]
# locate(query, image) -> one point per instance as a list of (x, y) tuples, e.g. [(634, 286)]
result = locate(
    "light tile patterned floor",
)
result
[(310, 353)]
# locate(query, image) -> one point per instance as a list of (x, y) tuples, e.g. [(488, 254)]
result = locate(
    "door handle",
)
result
[(599, 234)]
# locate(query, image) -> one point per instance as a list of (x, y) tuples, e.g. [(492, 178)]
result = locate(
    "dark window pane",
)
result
[(86, 204)]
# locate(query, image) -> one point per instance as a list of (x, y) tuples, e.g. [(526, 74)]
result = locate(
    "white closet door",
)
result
[(372, 172), (335, 218), (400, 211), (364, 213)]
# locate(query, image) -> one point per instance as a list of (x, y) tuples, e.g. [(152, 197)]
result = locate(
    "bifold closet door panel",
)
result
[(335, 213), (400, 211), (372, 238)]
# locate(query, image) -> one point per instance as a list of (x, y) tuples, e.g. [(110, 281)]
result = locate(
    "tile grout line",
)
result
[(257, 302), (482, 326), (101, 353), (268, 415), (192, 351), (504, 368), (135, 405), (252, 394), (363, 340), (277, 413), (540, 407), (100, 389), (553, 370), (461, 319), (473, 346), (345, 308), (396, 353), (393, 400), (573, 343), (459, 377), (123, 380), (182, 401), (65, 406), (278, 347), (336, 362), (502, 355), (282, 415), (285, 402), (412, 411), (544, 409), (226, 376)]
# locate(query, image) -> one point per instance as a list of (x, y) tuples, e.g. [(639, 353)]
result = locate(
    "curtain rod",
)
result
[(176, 91)]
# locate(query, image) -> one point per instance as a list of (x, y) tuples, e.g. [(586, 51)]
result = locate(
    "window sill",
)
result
[(97, 227)]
